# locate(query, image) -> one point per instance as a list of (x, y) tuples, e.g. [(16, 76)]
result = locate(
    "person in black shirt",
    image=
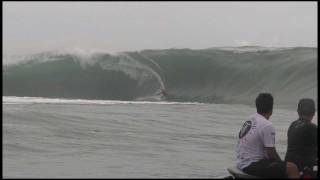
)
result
[(302, 137)]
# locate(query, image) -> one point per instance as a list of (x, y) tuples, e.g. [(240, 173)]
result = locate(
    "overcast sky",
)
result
[(31, 27)]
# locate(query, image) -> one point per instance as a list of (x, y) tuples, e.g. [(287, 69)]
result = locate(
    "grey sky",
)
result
[(30, 27)]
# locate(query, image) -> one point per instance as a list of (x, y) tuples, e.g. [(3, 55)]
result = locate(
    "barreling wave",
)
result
[(216, 75)]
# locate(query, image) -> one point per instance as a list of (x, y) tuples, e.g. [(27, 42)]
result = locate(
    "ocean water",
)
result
[(56, 138), (99, 115)]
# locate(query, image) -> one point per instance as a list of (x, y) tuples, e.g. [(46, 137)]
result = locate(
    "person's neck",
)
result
[(265, 115), (306, 118)]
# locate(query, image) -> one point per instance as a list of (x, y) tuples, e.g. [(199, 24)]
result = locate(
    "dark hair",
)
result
[(264, 103), (306, 107)]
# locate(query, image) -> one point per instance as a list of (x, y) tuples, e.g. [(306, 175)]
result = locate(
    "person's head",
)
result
[(264, 104), (306, 108)]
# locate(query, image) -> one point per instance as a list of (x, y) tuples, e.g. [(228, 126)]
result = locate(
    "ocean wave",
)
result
[(215, 75)]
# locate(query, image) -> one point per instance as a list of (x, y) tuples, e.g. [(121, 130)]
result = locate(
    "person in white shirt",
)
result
[(256, 152)]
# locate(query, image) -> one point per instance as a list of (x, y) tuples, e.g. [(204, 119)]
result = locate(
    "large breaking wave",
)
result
[(216, 75)]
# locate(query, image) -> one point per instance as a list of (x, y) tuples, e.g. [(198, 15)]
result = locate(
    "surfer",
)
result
[(163, 93), (302, 138), (256, 152)]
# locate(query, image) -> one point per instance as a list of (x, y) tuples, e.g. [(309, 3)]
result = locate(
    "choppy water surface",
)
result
[(125, 140)]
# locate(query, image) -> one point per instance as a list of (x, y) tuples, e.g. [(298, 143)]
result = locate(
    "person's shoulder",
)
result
[(307, 127), (310, 129), (294, 123), (268, 123), (306, 124), (312, 126)]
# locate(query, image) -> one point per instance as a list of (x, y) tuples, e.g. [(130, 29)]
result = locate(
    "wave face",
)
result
[(216, 75)]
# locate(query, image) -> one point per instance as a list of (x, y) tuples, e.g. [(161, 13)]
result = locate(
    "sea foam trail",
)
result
[(217, 75)]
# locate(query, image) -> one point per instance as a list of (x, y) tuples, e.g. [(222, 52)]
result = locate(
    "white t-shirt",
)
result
[(256, 134)]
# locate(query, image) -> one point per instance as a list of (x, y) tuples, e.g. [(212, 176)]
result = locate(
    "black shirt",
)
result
[(302, 144)]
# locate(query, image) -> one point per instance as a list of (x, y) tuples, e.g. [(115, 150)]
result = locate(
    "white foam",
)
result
[(42, 100), (243, 49)]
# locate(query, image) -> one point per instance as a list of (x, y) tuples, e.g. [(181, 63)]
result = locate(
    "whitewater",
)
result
[(69, 115)]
